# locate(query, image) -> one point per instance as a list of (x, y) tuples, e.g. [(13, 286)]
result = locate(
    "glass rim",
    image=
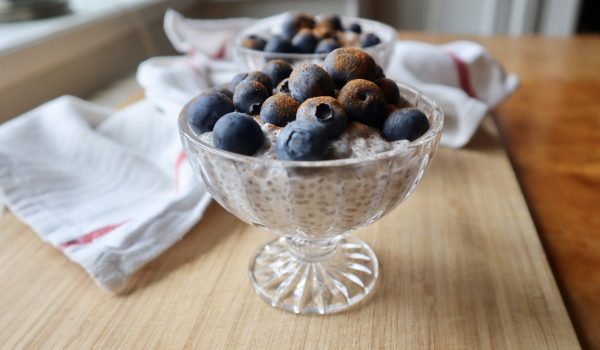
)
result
[(436, 123)]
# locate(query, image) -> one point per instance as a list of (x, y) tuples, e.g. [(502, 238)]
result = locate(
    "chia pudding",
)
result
[(344, 158)]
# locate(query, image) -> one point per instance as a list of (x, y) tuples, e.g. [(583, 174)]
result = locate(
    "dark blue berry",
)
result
[(347, 63), (305, 41), (277, 70), (309, 80), (334, 21), (254, 42), (390, 90), (284, 87), (204, 111), (239, 133), (261, 78), (364, 102), (355, 27), (249, 96), (327, 111), (279, 44), (279, 110), (302, 140), (405, 124), (236, 80), (224, 90), (369, 40), (327, 45), (294, 23)]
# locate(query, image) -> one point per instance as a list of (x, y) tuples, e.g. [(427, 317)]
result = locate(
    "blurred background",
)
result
[(53, 47)]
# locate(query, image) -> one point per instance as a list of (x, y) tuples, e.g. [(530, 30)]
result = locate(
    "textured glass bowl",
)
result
[(249, 59), (314, 266)]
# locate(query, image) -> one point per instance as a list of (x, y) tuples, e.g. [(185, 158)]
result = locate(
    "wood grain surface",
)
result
[(462, 267)]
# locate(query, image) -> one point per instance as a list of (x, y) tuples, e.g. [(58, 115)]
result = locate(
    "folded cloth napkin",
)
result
[(109, 188), (462, 77)]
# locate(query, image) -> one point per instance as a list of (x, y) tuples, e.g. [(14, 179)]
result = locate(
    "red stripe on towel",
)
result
[(463, 75), (219, 55), (91, 236), (178, 162)]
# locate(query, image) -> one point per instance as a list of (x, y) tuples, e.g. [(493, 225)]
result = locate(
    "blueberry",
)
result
[(379, 72), (369, 40), (325, 110), (261, 78), (390, 90), (277, 70), (284, 87), (302, 140), (294, 22), (204, 111), (324, 30), (364, 102), (345, 64), (405, 124), (305, 41), (356, 28), (279, 44), (249, 96), (239, 133), (224, 89), (236, 80), (327, 45), (254, 42), (279, 110), (334, 21), (310, 80)]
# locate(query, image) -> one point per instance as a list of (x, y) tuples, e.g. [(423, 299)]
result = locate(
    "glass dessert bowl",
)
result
[(314, 266), (249, 59)]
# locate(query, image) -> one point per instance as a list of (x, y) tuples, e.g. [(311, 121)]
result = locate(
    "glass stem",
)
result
[(311, 250)]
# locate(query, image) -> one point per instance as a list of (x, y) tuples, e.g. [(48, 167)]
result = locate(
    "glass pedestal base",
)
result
[(308, 277)]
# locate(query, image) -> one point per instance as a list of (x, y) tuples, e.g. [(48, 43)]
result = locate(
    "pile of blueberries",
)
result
[(301, 33), (313, 104)]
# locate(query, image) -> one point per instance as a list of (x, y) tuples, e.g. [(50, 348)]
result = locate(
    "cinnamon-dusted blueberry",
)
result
[(277, 70), (345, 64), (364, 102), (261, 78), (324, 31), (294, 22), (325, 110), (334, 21), (249, 96), (390, 90), (254, 42), (279, 110), (309, 80), (283, 87)]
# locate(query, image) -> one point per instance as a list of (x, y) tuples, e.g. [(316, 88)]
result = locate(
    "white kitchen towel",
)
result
[(109, 188), (461, 76)]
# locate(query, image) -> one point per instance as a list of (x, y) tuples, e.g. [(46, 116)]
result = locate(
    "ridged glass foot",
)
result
[(307, 277)]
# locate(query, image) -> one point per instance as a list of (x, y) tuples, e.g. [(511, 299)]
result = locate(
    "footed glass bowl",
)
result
[(249, 59), (314, 266)]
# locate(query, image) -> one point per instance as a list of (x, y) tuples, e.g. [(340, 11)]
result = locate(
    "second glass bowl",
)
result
[(249, 59)]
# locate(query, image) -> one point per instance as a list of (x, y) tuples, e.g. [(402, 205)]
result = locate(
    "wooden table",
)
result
[(462, 267)]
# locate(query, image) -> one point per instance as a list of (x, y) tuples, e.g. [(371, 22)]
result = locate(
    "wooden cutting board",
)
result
[(461, 268)]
